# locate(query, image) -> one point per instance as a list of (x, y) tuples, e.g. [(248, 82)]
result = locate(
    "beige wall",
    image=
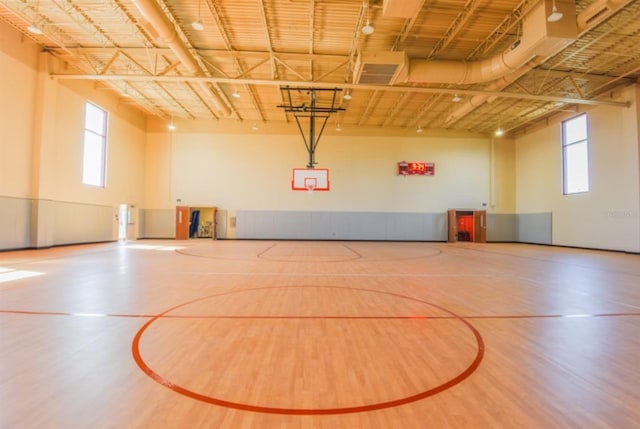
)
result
[(503, 176), (608, 215), (18, 61), (41, 152), (252, 171), (222, 164)]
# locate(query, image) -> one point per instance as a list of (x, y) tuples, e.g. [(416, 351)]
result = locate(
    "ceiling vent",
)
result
[(382, 68), (401, 8)]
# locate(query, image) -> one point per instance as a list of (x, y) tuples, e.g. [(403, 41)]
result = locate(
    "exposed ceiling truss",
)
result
[(233, 69)]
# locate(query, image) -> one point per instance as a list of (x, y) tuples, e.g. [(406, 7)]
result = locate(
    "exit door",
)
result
[(467, 225), (123, 221), (480, 226), (452, 220), (182, 223)]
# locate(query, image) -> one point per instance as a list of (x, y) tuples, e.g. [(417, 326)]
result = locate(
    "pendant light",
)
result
[(197, 25), (555, 14), (368, 28), (33, 27), (125, 91)]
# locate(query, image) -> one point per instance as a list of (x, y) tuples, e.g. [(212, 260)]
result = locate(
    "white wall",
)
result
[(203, 165), (237, 170), (607, 216), (42, 122), (18, 59), (254, 172), (17, 102)]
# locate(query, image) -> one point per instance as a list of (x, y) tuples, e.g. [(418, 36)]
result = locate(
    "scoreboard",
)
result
[(416, 168)]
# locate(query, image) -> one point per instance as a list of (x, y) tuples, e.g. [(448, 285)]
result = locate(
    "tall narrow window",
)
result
[(575, 155), (95, 146)]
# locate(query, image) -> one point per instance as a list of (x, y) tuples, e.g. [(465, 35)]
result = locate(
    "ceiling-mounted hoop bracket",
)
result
[(314, 104)]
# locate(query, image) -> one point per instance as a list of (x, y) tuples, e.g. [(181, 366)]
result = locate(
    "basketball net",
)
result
[(310, 188)]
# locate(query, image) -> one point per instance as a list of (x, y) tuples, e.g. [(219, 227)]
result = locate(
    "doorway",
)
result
[(195, 222), (467, 225), (123, 221)]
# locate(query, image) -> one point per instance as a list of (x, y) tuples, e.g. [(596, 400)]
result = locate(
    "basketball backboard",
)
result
[(310, 179)]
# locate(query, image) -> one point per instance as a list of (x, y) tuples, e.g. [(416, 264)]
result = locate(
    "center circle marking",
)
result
[(135, 347)]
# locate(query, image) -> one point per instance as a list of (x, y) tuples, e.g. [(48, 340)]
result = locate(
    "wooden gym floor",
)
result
[(277, 334)]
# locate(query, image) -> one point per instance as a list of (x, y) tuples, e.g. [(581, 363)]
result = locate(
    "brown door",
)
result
[(182, 223), (453, 226), (480, 226), (213, 224)]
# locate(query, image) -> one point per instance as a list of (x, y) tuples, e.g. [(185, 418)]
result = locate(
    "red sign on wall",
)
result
[(416, 168)]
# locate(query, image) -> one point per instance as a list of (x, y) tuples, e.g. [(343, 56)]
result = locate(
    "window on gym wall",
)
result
[(575, 155), (95, 146)]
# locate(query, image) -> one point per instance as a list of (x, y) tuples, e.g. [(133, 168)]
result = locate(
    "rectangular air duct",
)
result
[(401, 8), (381, 68)]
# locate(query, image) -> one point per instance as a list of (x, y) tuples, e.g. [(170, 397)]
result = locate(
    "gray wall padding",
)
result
[(72, 223), (157, 223), (501, 227), (15, 223), (296, 225), (26, 223), (77, 223), (534, 228)]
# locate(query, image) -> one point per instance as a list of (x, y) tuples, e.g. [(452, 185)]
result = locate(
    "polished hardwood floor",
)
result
[(278, 334)]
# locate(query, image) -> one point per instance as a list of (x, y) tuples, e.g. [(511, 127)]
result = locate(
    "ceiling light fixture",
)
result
[(171, 126), (555, 14), (419, 129), (499, 132), (125, 91), (254, 127), (197, 25), (235, 94), (338, 127), (368, 28), (33, 28), (456, 98), (347, 95)]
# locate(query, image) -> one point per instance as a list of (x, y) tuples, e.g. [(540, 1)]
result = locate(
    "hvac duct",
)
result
[(156, 17), (496, 86), (381, 68), (588, 18), (597, 12), (401, 8), (539, 38)]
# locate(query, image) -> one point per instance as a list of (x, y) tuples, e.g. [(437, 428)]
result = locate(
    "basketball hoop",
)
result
[(310, 179), (310, 183)]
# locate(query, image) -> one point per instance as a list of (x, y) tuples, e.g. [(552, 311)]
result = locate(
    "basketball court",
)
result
[(323, 334)]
